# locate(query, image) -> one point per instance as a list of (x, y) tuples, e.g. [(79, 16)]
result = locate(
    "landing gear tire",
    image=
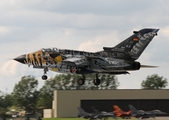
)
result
[(44, 77), (96, 81), (80, 81)]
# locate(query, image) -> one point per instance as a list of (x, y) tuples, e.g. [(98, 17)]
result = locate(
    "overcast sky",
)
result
[(88, 25)]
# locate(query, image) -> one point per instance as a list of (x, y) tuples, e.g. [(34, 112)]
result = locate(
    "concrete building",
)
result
[(65, 102)]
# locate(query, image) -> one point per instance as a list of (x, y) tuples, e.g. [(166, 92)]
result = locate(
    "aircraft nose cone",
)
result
[(21, 58)]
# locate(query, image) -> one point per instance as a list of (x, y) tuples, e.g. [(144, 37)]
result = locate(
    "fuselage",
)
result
[(73, 61)]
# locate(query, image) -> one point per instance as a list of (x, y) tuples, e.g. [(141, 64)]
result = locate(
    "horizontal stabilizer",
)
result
[(148, 66)]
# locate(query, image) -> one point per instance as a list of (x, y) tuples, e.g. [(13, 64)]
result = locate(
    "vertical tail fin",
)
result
[(81, 111), (132, 47), (117, 110), (132, 108)]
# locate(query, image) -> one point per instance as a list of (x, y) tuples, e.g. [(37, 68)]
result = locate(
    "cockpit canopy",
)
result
[(54, 50)]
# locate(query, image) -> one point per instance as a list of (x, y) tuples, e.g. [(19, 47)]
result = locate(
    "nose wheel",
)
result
[(45, 77)]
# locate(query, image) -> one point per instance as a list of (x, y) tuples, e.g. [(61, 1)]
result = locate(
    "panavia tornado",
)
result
[(111, 60)]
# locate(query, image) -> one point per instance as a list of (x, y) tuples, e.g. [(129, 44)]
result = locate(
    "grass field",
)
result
[(118, 118), (82, 119), (157, 118), (63, 119)]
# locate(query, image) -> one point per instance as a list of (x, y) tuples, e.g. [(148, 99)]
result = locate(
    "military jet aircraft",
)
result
[(85, 114), (145, 114), (93, 116), (111, 60), (120, 113)]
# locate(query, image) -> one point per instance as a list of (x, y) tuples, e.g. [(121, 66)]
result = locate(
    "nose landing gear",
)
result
[(45, 77)]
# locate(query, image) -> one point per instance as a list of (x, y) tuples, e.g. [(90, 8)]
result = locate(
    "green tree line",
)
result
[(28, 97)]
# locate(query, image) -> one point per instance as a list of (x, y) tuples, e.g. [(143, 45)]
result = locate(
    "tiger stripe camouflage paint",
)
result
[(40, 59)]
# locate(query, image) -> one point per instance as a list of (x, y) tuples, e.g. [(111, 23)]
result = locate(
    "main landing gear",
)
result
[(97, 80), (45, 77), (81, 81)]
